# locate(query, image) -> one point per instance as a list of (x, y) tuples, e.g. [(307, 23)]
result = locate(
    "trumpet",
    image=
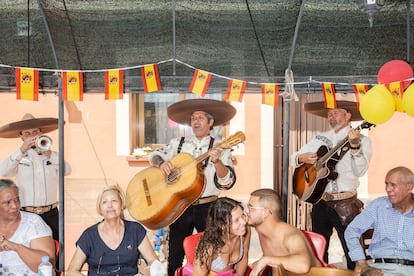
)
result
[(43, 143)]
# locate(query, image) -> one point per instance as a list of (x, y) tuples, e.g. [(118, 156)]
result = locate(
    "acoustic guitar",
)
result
[(156, 200), (310, 180)]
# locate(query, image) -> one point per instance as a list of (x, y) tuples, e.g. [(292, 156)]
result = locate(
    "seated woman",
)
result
[(112, 246), (223, 248), (24, 237)]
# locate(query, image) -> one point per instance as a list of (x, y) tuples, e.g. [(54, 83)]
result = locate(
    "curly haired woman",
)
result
[(223, 248)]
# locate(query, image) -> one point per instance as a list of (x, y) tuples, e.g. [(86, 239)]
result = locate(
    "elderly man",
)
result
[(201, 115), (338, 204), (392, 218)]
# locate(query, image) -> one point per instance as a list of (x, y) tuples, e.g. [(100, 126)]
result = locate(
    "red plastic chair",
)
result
[(190, 245), (318, 244)]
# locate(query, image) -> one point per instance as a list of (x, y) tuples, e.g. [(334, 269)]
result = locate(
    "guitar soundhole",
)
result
[(173, 176)]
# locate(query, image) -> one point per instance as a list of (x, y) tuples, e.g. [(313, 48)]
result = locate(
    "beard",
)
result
[(254, 223)]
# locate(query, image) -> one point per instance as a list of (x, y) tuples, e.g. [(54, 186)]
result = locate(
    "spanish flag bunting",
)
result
[(328, 90), (235, 90), (360, 90), (397, 91), (150, 78), (27, 84), (270, 94), (200, 82), (72, 86), (114, 84)]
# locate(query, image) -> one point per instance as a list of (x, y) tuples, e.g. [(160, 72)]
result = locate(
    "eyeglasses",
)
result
[(257, 207), (112, 272)]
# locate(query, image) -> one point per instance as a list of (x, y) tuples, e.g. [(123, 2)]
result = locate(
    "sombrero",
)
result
[(180, 112), (12, 130), (319, 109)]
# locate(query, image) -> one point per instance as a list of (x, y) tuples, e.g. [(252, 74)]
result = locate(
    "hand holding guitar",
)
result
[(308, 158), (354, 137)]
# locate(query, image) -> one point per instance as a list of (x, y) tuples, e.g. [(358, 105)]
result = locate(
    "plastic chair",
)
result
[(190, 245), (318, 244), (57, 249)]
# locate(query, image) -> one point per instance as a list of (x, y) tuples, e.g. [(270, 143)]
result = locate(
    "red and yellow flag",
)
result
[(360, 90), (235, 90), (114, 84), (27, 84), (328, 90), (151, 78), (72, 86), (200, 82), (397, 91), (270, 94)]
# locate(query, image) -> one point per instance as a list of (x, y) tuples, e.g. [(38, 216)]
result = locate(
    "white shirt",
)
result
[(36, 175), (31, 227), (350, 167)]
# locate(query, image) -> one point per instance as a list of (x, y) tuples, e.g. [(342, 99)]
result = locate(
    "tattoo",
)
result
[(157, 160)]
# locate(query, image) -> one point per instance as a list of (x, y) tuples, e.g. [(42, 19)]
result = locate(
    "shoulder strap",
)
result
[(180, 145), (210, 146)]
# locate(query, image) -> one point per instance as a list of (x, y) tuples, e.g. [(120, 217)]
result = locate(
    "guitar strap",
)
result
[(180, 145)]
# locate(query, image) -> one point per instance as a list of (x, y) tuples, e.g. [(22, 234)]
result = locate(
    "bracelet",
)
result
[(215, 162), (355, 148)]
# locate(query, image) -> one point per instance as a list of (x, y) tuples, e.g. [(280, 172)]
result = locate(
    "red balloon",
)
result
[(395, 70)]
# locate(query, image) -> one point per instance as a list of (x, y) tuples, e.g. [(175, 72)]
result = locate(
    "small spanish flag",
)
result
[(235, 90), (72, 86), (397, 91), (328, 90), (200, 82), (27, 84), (270, 94), (360, 90), (114, 84), (151, 78)]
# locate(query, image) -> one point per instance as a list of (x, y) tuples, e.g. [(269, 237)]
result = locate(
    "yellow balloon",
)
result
[(408, 100), (377, 106)]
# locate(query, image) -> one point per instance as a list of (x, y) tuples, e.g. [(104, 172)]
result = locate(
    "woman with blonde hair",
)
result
[(112, 246)]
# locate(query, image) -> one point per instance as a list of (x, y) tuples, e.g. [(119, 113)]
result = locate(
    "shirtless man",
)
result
[(281, 243)]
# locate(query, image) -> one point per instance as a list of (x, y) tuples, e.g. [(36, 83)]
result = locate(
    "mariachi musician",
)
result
[(339, 203), (202, 115), (35, 166)]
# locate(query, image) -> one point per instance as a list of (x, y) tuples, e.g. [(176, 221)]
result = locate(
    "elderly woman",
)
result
[(223, 248), (24, 237), (112, 246)]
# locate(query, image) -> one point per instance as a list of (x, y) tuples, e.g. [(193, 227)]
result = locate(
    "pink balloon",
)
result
[(395, 70), (172, 124)]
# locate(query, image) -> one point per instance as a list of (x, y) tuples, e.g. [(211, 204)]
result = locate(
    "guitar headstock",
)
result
[(233, 140), (366, 124)]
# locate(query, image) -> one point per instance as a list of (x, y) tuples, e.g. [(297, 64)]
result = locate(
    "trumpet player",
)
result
[(35, 167)]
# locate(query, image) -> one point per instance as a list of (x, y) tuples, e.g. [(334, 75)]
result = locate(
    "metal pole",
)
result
[(286, 120), (61, 123)]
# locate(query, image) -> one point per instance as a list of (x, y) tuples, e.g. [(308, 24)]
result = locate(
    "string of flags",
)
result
[(27, 85)]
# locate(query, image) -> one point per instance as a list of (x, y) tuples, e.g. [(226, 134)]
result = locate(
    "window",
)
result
[(150, 124)]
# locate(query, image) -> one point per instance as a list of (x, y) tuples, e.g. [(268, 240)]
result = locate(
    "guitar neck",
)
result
[(342, 143), (231, 141)]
